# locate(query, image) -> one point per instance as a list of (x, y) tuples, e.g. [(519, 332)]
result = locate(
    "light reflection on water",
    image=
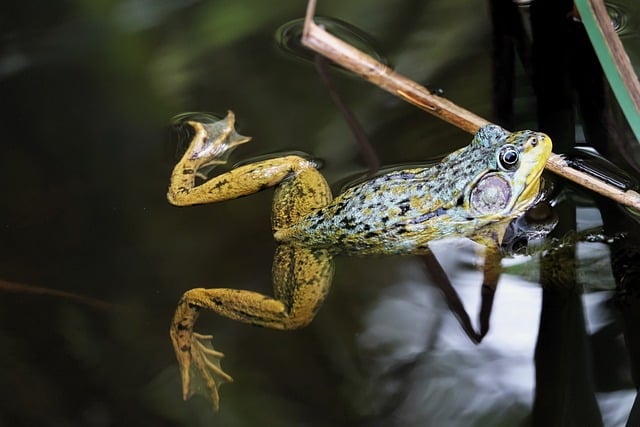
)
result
[(453, 381)]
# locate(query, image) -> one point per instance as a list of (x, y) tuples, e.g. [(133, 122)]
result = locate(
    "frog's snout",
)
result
[(542, 140), (539, 146)]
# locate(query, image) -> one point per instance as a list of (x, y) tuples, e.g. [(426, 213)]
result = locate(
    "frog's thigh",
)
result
[(298, 195), (301, 280)]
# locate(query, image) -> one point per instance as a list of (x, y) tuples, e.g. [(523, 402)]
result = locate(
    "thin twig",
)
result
[(369, 154), (37, 290), (317, 39)]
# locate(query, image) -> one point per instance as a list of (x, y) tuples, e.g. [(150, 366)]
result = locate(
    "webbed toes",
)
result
[(201, 370), (213, 142)]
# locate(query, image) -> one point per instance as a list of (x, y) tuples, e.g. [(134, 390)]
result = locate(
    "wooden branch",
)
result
[(317, 39), (358, 62)]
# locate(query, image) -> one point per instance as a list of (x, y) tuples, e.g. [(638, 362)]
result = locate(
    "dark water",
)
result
[(87, 91)]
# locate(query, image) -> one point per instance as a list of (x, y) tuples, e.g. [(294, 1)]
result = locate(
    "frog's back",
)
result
[(398, 212), (493, 178)]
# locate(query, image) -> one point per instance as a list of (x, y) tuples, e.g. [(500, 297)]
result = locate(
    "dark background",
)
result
[(87, 93)]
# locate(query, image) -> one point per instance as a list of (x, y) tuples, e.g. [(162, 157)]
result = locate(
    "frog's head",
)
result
[(510, 181)]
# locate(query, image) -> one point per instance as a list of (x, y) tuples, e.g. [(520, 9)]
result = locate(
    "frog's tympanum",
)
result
[(493, 179)]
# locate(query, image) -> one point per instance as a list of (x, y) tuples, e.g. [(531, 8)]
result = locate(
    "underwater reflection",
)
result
[(424, 370), (445, 378)]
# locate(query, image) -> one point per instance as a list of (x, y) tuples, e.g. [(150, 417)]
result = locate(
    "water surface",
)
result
[(88, 91)]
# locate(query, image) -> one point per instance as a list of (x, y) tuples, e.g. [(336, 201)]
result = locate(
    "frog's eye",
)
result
[(508, 157)]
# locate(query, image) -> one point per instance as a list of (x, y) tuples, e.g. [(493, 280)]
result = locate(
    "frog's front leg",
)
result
[(301, 276), (491, 238)]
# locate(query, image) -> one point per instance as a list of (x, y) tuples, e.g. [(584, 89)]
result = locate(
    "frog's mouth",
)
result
[(528, 195), (533, 162), (531, 186)]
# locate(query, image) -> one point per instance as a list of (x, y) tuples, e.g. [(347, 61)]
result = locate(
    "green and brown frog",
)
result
[(490, 181)]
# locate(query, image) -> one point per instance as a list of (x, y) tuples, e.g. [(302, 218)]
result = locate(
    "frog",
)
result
[(490, 181)]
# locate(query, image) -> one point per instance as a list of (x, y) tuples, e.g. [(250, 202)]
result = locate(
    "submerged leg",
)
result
[(491, 275), (301, 281)]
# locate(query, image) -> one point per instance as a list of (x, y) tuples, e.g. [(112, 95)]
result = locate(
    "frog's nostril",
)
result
[(533, 141)]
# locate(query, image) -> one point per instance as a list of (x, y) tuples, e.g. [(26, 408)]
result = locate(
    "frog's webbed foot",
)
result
[(199, 362), (206, 366), (212, 144)]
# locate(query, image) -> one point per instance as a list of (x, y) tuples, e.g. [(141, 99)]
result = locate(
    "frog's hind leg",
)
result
[(301, 276), (209, 147), (301, 281)]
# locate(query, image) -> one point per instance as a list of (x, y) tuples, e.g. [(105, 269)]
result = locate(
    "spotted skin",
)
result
[(400, 212), (494, 178)]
